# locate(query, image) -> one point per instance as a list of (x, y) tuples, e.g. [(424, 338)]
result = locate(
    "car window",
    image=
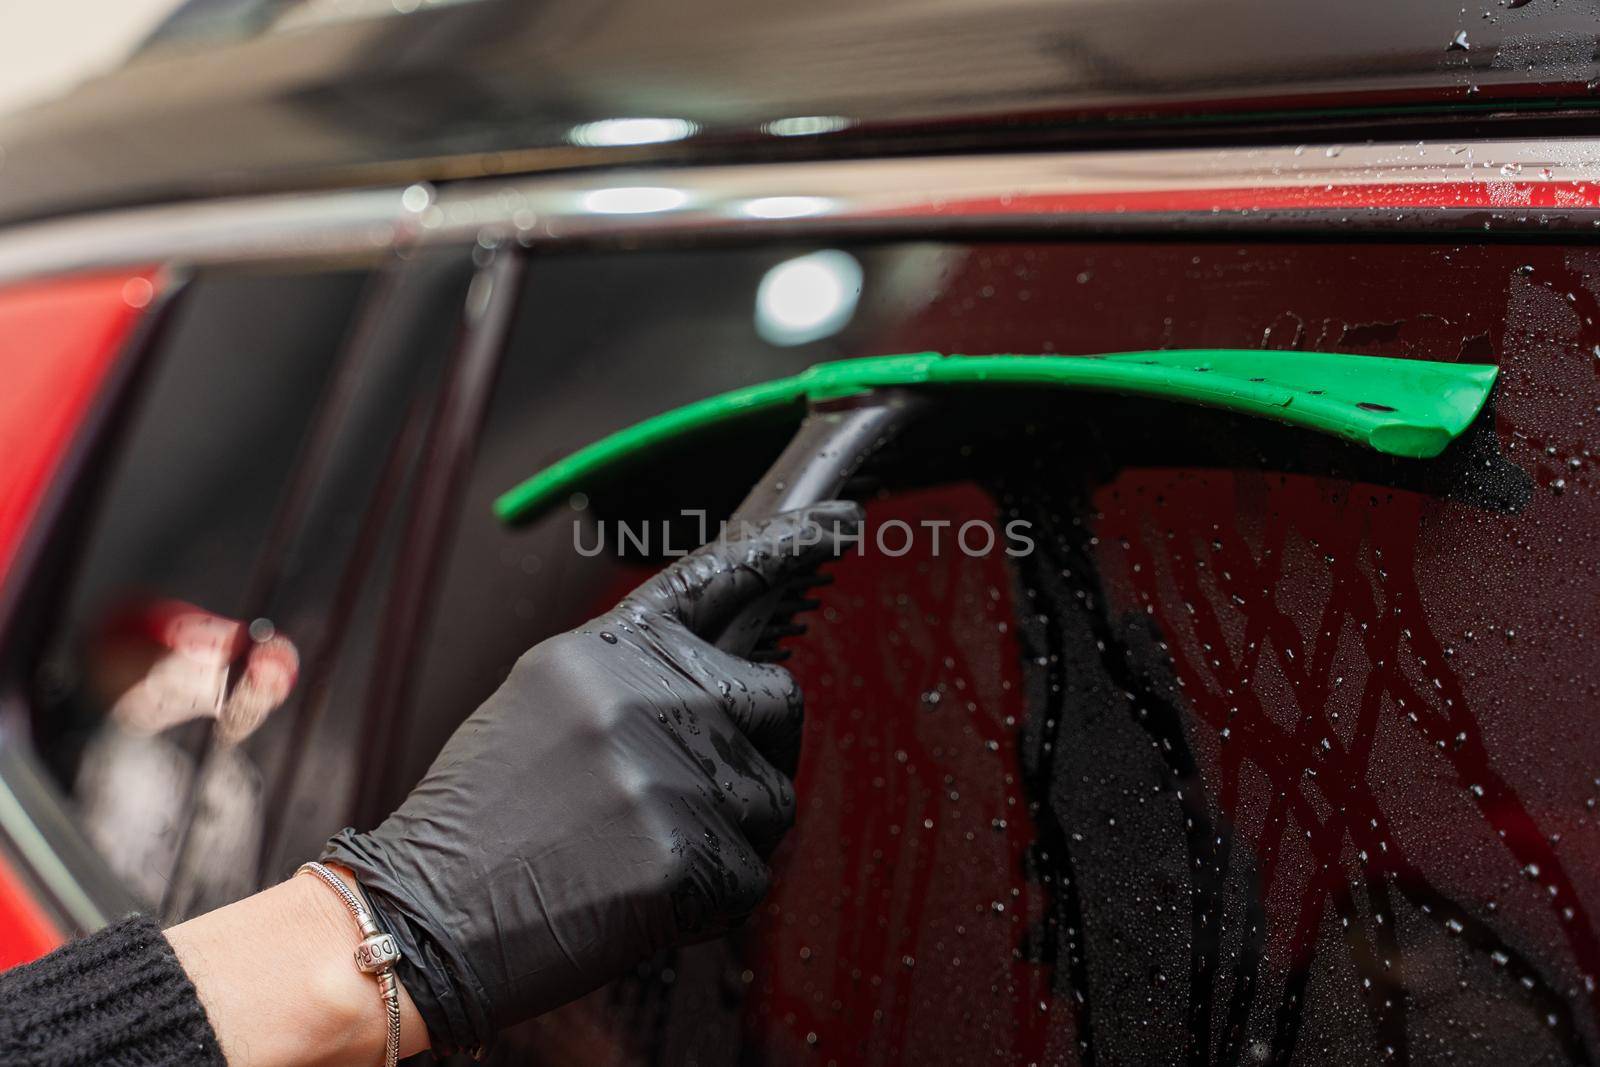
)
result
[(1230, 742), (602, 341), (158, 601), (1261, 752)]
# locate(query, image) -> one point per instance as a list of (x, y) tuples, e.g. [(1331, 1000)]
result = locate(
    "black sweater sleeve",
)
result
[(117, 997)]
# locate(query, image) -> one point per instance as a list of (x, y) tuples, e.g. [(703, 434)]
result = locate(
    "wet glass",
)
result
[(1269, 750), (1264, 748), (152, 653)]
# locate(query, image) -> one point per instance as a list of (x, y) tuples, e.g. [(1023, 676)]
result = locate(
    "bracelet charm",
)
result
[(377, 952)]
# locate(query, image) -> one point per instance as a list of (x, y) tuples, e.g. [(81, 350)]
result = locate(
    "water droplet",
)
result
[(417, 198)]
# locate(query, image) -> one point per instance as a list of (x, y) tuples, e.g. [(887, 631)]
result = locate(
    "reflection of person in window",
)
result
[(615, 797)]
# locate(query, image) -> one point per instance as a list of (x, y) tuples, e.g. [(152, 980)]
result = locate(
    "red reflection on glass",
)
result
[(57, 341)]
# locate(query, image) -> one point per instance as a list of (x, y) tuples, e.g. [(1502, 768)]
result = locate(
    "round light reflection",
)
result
[(807, 298)]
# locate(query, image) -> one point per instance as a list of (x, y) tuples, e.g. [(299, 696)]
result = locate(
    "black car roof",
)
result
[(471, 88)]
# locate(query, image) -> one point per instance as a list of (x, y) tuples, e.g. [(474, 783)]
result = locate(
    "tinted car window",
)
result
[(602, 341), (177, 530), (1262, 748), (1263, 753)]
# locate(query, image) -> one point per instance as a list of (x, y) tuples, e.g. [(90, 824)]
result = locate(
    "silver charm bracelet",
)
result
[(376, 955)]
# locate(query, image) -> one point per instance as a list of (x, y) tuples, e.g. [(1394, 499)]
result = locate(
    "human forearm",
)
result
[(277, 977)]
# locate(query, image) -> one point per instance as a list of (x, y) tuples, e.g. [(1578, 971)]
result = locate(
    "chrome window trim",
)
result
[(890, 195), (36, 822), (360, 222)]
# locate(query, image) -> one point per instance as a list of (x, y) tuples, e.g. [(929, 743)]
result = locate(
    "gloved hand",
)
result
[(616, 796)]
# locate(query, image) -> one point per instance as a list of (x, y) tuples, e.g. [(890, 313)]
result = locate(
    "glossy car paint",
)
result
[(26, 931), (57, 341), (497, 86)]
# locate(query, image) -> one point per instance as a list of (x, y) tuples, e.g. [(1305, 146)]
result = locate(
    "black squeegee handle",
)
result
[(834, 442)]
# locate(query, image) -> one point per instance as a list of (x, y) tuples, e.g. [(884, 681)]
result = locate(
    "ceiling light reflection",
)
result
[(634, 199), (807, 125), (608, 133), (807, 298), (786, 207)]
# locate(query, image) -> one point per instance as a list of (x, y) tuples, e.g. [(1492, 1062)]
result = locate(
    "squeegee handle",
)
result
[(834, 442)]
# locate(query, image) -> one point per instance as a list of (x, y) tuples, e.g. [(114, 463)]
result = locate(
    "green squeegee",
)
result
[(1402, 407)]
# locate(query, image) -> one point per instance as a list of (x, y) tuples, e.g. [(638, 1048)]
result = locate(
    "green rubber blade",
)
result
[(1403, 407)]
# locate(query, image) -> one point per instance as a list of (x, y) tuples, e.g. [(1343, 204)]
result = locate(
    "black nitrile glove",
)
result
[(616, 796)]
